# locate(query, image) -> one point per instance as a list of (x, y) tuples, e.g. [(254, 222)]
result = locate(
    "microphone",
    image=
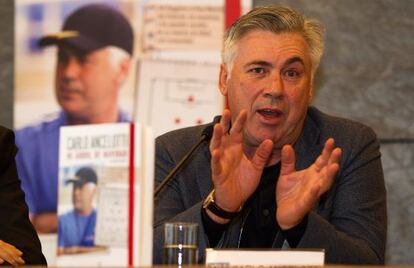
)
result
[(206, 135)]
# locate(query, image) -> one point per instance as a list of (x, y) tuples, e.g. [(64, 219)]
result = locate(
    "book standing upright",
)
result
[(105, 195)]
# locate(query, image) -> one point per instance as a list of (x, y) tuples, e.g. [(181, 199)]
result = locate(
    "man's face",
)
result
[(271, 79), (86, 84), (83, 195)]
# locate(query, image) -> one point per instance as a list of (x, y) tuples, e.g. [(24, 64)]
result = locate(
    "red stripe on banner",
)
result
[(233, 11), (131, 197)]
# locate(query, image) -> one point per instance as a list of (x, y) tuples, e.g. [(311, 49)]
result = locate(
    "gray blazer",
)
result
[(349, 222)]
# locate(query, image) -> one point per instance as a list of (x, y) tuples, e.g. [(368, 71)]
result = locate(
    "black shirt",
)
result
[(260, 228)]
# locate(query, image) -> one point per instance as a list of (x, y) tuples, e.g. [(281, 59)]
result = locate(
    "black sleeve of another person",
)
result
[(15, 226)]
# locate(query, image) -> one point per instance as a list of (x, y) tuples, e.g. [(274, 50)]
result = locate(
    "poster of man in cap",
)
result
[(76, 232), (85, 50)]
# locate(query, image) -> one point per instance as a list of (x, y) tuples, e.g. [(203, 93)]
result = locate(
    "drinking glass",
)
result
[(180, 243)]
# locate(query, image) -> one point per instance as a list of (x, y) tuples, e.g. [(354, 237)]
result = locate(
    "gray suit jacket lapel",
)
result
[(309, 145), (203, 171)]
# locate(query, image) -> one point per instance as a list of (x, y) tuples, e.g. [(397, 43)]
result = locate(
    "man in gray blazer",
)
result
[(277, 173)]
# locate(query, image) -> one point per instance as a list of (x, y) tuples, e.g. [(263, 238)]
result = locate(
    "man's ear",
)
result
[(311, 94), (223, 79)]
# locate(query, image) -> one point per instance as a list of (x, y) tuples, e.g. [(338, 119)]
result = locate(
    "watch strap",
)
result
[(211, 205)]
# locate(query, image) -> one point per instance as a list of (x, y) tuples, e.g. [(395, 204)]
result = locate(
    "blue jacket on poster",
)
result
[(76, 230)]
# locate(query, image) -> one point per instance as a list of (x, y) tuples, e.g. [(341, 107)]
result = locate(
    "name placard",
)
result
[(264, 257)]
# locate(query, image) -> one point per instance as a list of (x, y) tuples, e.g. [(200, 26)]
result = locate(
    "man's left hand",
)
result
[(298, 191)]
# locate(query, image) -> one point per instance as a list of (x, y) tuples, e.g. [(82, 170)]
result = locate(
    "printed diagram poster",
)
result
[(177, 94), (185, 29)]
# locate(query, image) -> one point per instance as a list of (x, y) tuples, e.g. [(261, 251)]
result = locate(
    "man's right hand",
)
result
[(45, 222), (235, 176)]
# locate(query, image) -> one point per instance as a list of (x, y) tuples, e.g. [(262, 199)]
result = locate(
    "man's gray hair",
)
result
[(275, 19)]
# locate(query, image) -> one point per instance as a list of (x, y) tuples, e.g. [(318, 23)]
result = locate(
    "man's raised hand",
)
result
[(298, 191), (234, 175)]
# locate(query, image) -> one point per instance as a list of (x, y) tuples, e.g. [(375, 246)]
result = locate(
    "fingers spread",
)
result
[(323, 159), (225, 121), (238, 124), (332, 170), (328, 180), (335, 156), (262, 154), (216, 138), (288, 160), (216, 167)]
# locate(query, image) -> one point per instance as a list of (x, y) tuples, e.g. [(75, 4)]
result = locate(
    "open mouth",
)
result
[(270, 112)]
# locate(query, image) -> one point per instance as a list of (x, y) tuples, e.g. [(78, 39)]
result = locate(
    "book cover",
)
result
[(105, 195)]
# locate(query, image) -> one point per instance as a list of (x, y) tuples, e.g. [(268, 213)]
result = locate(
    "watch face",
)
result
[(209, 199)]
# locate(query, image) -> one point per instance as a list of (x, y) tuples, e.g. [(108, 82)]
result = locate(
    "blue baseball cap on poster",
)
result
[(82, 176)]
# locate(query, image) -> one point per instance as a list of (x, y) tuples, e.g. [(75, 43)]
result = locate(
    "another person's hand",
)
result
[(298, 191), (234, 175), (10, 254)]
